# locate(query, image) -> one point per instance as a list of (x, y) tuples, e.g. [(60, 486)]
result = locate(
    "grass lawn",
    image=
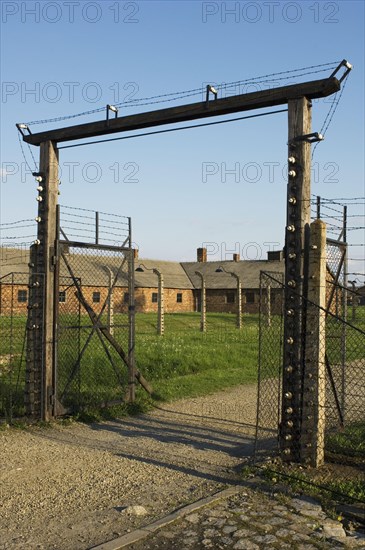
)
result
[(183, 362), (186, 362)]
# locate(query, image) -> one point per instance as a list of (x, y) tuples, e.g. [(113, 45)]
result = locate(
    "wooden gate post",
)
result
[(39, 392), (297, 224), (314, 380)]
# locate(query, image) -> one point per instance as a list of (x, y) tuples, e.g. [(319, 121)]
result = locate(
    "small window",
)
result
[(96, 297), (154, 297), (179, 297), (22, 296), (126, 298), (250, 297), (230, 298), (62, 296)]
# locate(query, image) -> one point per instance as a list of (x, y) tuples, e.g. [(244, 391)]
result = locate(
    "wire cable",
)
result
[(174, 129)]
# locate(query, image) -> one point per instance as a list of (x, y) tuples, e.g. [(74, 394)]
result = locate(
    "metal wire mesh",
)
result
[(13, 333), (332, 396), (89, 226), (270, 362), (92, 289)]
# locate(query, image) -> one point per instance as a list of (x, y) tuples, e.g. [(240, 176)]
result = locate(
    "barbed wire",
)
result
[(178, 95), (330, 114)]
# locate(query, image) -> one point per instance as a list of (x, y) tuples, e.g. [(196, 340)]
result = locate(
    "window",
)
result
[(250, 297), (154, 297), (230, 298), (62, 296), (96, 297), (22, 296), (179, 298), (126, 298)]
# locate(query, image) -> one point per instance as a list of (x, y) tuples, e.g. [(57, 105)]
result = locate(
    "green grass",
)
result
[(328, 487), (350, 442), (187, 362), (183, 362)]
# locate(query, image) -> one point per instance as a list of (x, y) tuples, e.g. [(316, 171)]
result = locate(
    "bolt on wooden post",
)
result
[(314, 380), (297, 224), (39, 392)]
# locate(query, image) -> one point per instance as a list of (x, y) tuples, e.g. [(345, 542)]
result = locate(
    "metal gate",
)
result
[(17, 375), (344, 358), (94, 363)]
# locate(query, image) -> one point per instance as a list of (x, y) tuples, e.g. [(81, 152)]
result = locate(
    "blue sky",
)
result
[(61, 58)]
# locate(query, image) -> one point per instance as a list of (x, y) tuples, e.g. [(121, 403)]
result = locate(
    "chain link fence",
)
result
[(271, 331), (13, 339), (95, 335), (336, 396)]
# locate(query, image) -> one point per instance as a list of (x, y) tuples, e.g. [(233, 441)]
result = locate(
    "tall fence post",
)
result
[(298, 219), (110, 304), (131, 393), (39, 391), (203, 313), (314, 380), (161, 304), (268, 305)]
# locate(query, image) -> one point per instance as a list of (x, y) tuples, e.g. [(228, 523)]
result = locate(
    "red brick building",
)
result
[(181, 284)]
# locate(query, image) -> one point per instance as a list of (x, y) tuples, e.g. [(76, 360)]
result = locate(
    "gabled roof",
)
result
[(248, 271), (174, 275), (93, 269), (13, 260)]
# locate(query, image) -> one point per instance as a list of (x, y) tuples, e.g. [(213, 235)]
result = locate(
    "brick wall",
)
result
[(216, 300), (143, 300), (9, 299)]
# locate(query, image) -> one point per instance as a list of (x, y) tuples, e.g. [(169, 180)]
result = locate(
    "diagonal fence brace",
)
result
[(106, 333)]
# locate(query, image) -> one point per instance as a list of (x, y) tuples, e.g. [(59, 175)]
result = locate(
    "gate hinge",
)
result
[(53, 259), (51, 396)]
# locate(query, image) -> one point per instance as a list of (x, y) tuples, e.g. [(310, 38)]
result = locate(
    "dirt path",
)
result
[(69, 487)]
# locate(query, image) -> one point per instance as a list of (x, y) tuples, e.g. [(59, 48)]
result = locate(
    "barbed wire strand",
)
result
[(194, 91)]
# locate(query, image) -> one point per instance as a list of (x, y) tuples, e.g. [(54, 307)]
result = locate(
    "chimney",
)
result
[(275, 255), (201, 255), (136, 253), (236, 257)]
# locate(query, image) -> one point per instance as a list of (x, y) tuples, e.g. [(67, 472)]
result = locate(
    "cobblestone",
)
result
[(261, 527)]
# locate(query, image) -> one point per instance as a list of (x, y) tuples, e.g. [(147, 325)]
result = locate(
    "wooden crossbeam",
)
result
[(244, 102)]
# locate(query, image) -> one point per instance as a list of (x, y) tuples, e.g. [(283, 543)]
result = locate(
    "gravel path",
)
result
[(69, 488)]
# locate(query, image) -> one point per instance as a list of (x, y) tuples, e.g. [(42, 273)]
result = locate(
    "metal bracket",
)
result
[(21, 126), (113, 109), (309, 138), (213, 91), (344, 63)]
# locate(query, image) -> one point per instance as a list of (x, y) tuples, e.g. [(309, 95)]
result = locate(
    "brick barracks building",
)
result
[(181, 283)]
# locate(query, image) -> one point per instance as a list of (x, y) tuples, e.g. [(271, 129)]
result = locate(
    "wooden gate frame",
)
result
[(298, 98)]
